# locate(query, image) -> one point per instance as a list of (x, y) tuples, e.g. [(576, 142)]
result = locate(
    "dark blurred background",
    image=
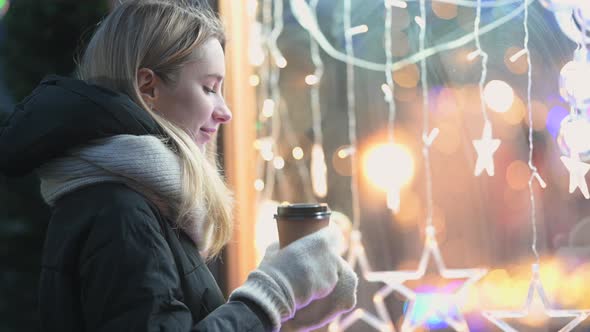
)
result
[(36, 38)]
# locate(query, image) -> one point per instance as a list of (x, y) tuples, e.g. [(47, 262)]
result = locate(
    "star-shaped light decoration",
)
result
[(442, 301), (485, 148), (357, 255), (534, 308), (578, 170)]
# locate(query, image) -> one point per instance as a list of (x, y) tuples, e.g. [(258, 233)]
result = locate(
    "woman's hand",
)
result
[(306, 283)]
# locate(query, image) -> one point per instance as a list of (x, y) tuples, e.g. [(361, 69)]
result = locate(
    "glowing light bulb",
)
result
[(573, 83), (396, 3), (498, 95), (387, 95), (318, 171), (574, 136), (358, 29), (264, 145), (267, 155), (344, 152), (419, 21), (268, 108), (311, 79), (254, 80), (517, 55), (297, 153), (278, 162), (259, 185), (388, 166), (281, 62), (472, 55)]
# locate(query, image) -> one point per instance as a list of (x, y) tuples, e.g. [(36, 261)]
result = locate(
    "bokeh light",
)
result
[(443, 10), (408, 76), (281, 62), (388, 166), (259, 185), (341, 162), (554, 117), (297, 153), (311, 79), (268, 108), (573, 83), (278, 162), (574, 135), (254, 80), (498, 95), (433, 309)]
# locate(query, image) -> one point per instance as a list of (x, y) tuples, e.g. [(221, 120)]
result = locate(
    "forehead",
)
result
[(209, 58)]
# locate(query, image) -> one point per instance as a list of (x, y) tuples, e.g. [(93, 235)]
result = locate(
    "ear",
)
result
[(147, 81)]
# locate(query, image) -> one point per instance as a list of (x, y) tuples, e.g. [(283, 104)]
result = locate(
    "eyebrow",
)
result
[(219, 77)]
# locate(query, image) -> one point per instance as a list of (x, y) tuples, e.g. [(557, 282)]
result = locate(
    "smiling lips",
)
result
[(208, 132)]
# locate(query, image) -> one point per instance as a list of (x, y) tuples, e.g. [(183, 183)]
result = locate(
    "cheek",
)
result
[(200, 108), (190, 109)]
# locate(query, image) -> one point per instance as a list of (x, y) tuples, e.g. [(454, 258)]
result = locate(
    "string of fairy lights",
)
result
[(272, 123)]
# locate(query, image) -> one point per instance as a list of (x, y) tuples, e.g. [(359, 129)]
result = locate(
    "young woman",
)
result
[(136, 206)]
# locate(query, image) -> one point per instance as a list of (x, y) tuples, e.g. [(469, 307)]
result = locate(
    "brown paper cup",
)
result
[(295, 221)]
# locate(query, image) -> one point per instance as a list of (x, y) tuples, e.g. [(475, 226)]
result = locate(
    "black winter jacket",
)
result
[(111, 262)]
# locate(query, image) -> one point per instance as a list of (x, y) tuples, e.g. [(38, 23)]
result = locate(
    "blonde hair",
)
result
[(162, 35)]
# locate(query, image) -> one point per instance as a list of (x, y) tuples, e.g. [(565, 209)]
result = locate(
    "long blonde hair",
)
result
[(162, 35)]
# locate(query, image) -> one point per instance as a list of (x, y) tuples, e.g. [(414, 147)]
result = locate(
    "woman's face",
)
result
[(195, 103)]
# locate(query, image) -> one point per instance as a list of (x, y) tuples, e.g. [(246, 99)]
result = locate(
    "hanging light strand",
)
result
[(484, 60), (351, 103), (274, 88), (427, 135), (389, 96), (534, 173), (315, 88), (308, 21)]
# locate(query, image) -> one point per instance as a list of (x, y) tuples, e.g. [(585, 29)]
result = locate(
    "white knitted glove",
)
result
[(309, 273)]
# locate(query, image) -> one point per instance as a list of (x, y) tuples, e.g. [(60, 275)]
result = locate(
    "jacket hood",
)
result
[(63, 113)]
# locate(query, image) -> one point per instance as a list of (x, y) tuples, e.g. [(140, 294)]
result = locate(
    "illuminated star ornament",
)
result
[(356, 254), (485, 148), (440, 304), (536, 306), (578, 172)]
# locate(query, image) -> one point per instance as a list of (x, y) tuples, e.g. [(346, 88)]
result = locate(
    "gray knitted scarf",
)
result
[(144, 163)]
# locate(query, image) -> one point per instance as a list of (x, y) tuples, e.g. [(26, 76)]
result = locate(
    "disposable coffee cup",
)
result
[(297, 220)]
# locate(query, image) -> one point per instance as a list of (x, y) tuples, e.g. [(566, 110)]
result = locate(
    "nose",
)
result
[(222, 113)]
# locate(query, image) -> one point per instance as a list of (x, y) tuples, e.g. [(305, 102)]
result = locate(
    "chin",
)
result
[(202, 146)]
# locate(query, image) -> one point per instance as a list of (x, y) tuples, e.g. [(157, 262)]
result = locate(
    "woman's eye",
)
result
[(208, 89)]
